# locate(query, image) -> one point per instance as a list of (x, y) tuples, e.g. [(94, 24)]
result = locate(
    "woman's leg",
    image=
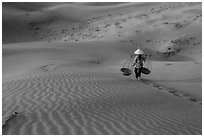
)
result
[(136, 72), (139, 72)]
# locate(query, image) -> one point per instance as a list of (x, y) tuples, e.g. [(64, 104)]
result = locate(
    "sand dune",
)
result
[(76, 22), (61, 69), (86, 103)]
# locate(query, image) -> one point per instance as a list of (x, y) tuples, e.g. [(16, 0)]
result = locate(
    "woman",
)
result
[(140, 58)]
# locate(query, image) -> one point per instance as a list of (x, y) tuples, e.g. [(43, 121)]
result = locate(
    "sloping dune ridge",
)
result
[(61, 69)]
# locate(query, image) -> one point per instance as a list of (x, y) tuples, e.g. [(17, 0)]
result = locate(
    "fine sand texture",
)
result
[(61, 69)]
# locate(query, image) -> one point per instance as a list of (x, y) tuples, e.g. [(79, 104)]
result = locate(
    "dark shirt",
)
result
[(138, 63)]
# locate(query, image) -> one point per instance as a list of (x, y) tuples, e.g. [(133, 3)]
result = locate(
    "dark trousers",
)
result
[(138, 72)]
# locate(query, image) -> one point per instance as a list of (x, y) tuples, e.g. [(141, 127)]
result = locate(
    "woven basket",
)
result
[(145, 71), (126, 71)]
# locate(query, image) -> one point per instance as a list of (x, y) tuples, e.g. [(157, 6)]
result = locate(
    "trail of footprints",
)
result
[(172, 91)]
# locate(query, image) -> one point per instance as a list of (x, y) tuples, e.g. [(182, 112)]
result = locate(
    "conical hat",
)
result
[(139, 51)]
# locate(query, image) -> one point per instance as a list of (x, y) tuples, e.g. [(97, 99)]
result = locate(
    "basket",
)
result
[(126, 71), (145, 71)]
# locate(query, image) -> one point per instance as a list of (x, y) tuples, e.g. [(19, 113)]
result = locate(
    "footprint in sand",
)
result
[(174, 92), (178, 94), (48, 67), (193, 99), (95, 61), (171, 91)]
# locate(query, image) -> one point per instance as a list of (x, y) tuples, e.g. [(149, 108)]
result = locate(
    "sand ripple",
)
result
[(85, 102)]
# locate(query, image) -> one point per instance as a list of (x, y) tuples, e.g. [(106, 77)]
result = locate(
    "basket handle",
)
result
[(127, 62)]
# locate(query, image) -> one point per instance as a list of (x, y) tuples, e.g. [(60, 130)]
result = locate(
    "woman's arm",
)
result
[(133, 63)]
